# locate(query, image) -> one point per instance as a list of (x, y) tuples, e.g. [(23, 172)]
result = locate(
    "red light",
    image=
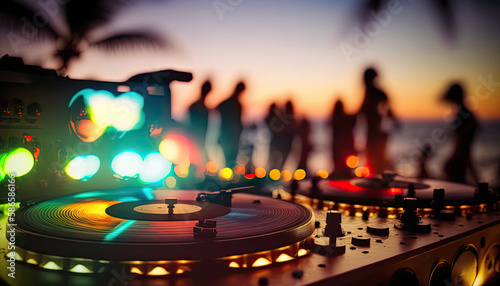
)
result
[(19, 112), (8, 111), (396, 191), (38, 113), (28, 138), (37, 152), (250, 176)]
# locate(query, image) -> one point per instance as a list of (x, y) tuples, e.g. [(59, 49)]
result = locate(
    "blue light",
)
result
[(126, 164), (118, 230), (83, 167), (154, 168)]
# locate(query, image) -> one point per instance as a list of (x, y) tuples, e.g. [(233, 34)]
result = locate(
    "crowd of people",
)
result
[(284, 128)]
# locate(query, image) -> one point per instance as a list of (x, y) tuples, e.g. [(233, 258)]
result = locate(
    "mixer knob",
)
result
[(409, 220), (380, 231), (366, 214), (333, 227), (360, 241), (438, 194), (411, 191)]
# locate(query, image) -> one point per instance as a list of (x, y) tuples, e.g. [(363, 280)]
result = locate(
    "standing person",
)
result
[(198, 119), (464, 127), (374, 108), (231, 126), (285, 139), (282, 126), (305, 141), (343, 140), (275, 124)]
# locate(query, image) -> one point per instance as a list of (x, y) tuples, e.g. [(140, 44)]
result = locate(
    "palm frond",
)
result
[(24, 22), (130, 41)]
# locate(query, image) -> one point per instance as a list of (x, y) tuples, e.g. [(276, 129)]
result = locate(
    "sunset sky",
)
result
[(292, 49)]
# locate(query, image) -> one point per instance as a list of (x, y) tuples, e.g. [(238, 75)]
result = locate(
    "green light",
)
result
[(83, 167), (123, 112), (80, 269), (119, 229), (154, 168), (52, 266), (18, 162), (126, 164)]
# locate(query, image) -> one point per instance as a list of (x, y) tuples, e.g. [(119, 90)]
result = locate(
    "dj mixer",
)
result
[(77, 210)]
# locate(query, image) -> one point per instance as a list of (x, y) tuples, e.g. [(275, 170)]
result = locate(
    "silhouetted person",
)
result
[(274, 121), (374, 108), (247, 147), (283, 127), (231, 126), (422, 170), (464, 127), (198, 119), (343, 140), (305, 143)]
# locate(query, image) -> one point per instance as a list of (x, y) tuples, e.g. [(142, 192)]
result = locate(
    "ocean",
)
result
[(406, 143)]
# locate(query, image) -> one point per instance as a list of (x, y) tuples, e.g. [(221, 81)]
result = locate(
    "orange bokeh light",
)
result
[(260, 172), (362, 172), (323, 174), (352, 161), (212, 167), (239, 169)]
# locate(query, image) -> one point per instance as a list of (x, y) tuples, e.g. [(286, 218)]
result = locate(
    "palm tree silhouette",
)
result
[(442, 7), (80, 18)]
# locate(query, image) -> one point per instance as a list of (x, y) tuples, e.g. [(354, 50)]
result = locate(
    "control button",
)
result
[(380, 231), (360, 241)]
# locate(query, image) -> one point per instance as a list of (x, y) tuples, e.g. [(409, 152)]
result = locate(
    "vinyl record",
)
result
[(140, 228)]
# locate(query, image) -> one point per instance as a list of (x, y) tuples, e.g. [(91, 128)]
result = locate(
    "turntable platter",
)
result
[(379, 192), (111, 225)]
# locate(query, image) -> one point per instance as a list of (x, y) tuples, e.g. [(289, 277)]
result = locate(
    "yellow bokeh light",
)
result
[(181, 171), (299, 175), (170, 150), (274, 174), (171, 182), (233, 264), (226, 174), (260, 172)]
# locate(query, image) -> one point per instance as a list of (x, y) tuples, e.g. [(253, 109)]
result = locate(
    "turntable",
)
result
[(109, 224)]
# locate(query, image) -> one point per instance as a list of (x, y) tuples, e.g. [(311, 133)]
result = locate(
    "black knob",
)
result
[(380, 231), (360, 241)]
